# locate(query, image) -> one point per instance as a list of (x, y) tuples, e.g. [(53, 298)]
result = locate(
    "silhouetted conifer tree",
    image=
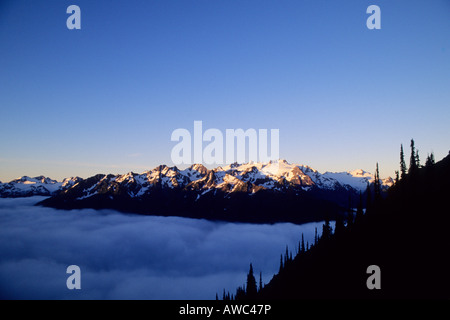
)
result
[(369, 196), (286, 257), (251, 283), (240, 293), (339, 228), (402, 163), (412, 159), (350, 217), (430, 160), (377, 185), (302, 248), (417, 159), (260, 281), (359, 210), (281, 264), (326, 230)]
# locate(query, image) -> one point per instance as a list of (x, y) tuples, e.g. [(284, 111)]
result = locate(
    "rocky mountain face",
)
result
[(37, 186), (268, 192)]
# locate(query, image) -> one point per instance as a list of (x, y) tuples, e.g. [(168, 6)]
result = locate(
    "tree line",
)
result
[(349, 229)]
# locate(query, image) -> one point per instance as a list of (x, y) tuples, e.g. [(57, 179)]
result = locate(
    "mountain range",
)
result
[(254, 192)]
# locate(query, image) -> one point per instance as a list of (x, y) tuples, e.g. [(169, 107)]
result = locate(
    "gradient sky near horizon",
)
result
[(106, 98)]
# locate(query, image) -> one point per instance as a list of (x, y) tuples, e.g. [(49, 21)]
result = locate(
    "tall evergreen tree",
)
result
[(281, 264), (412, 159), (339, 228), (251, 283), (359, 210), (417, 159), (316, 238), (377, 185), (240, 293), (430, 160), (260, 281), (369, 196), (302, 248), (286, 256), (350, 216), (326, 230), (402, 163)]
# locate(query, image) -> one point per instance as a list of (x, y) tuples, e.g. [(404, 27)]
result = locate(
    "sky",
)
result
[(106, 98), (124, 256)]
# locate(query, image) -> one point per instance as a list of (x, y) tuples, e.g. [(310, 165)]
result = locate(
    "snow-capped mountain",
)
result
[(248, 178), (356, 179), (252, 192), (41, 186)]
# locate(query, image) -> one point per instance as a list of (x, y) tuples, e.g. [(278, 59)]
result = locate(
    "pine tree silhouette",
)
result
[(286, 257), (402, 163), (377, 185), (350, 216), (251, 284), (326, 231), (412, 160), (240, 293), (430, 160), (281, 264), (359, 210), (340, 227), (302, 248), (417, 159), (369, 196), (260, 281)]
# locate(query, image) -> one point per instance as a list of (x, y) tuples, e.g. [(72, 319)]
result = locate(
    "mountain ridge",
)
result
[(253, 192), (232, 177), (271, 192)]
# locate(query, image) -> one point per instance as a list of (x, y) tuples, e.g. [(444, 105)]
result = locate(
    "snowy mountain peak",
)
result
[(278, 175), (360, 173), (69, 182), (35, 180), (199, 168), (26, 186)]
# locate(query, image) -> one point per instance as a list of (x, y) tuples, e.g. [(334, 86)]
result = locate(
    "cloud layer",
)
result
[(130, 256)]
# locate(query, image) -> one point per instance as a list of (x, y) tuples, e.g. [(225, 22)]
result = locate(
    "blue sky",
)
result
[(106, 98)]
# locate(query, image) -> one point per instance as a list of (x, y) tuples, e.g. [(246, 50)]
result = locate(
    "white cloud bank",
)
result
[(130, 256)]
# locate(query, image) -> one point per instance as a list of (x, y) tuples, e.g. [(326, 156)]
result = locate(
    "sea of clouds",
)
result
[(124, 256)]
